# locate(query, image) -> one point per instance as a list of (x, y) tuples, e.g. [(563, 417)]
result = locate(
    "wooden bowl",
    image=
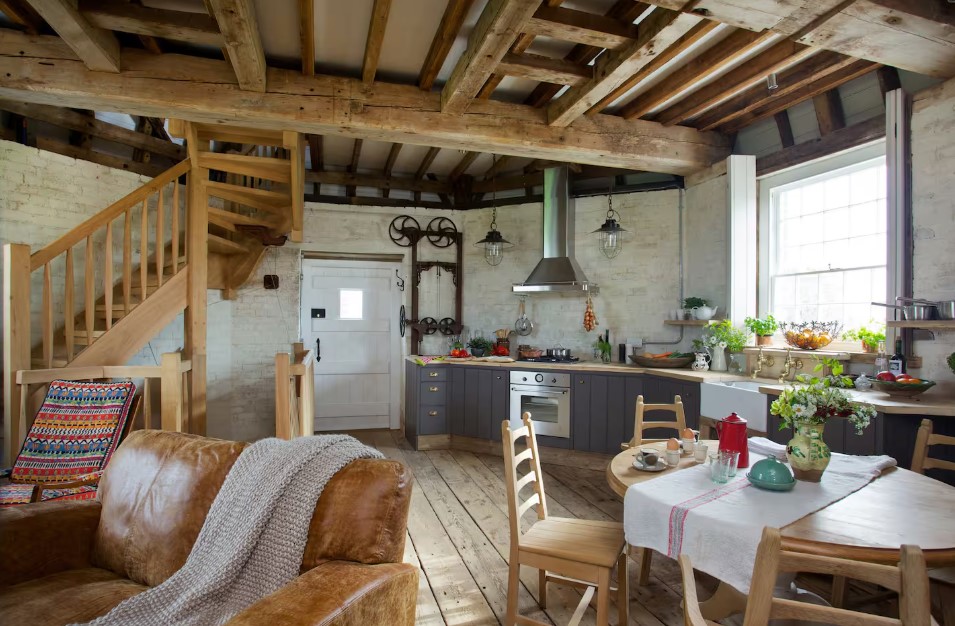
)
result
[(902, 390), (678, 362)]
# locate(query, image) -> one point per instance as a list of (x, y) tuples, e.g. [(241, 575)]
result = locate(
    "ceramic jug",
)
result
[(704, 312), (732, 433), (702, 362)]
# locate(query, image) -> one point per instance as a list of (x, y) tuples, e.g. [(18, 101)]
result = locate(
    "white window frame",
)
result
[(857, 157)]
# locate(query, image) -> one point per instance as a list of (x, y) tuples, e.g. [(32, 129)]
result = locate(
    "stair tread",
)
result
[(236, 218), (275, 202), (225, 246), (278, 170)]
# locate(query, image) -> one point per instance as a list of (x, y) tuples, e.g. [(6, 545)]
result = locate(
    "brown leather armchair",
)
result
[(65, 562)]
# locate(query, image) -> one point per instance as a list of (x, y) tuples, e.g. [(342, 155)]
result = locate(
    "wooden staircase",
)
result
[(111, 284)]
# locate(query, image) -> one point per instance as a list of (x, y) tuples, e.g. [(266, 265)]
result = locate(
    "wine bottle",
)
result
[(897, 362)]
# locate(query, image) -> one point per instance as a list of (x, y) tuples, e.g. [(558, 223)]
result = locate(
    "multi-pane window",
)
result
[(828, 246)]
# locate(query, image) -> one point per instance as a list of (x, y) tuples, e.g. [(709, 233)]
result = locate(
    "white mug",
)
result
[(673, 457), (699, 453)]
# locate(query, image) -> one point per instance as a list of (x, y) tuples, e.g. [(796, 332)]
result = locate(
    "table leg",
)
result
[(725, 601)]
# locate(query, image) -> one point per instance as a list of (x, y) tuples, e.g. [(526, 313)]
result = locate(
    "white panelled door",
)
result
[(349, 311)]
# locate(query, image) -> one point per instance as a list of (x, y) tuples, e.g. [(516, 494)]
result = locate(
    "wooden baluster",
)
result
[(108, 276), (185, 402), (90, 300), (170, 395), (160, 237), (47, 316), (127, 260), (69, 310), (143, 250), (147, 404), (175, 227), (283, 417)]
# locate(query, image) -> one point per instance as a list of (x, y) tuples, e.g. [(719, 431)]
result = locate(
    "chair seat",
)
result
[(945, 575), (65, 597), (585, 541)]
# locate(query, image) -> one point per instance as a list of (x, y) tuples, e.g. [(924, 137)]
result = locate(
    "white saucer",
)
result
[(659, 467)]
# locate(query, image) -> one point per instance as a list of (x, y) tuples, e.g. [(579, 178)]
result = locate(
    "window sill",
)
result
[(853, 356)]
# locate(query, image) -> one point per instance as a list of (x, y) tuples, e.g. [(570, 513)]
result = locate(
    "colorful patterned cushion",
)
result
[(75, 432), (13, 494), (86, 492)]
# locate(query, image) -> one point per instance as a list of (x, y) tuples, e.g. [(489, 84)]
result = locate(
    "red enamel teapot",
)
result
[(732, 433)]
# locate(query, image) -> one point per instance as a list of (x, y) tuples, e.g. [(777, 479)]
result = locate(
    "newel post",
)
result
[(170, 393), (283, 417), (16, 342)]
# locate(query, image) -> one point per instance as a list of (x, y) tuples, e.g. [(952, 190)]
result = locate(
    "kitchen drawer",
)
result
[(432, 393), (432, 420), (429, 374)]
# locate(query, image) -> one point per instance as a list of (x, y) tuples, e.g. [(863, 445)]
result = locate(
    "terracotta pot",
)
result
[(808, 454), (867, 347), (764, 340)]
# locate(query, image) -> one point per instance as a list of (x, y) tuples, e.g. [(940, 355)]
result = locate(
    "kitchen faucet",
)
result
[(789, 366), (761, 360)]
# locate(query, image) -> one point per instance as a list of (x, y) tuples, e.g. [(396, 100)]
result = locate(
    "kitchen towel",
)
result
[(719, 526)]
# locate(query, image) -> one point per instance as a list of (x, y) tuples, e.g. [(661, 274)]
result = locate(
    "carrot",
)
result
[(662, 355)]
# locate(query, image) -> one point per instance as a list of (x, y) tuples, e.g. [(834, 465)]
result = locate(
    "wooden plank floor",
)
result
[(458, 535)]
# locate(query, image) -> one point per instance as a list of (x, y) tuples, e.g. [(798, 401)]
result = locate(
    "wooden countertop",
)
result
[(926, 404)]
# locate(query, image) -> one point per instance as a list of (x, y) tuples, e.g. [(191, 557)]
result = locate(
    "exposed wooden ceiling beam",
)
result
[(713, 60), (810, 89), (775, 59), (837, 141), (888, 80), (829, 113), (463, 165), (150, 43), (623, 10), (785, 129), (390, 165), (696, 34), (426, 163), (240, 30), (350, 179), (374, 201), (580, 27), (376, 35), (353, 166), (498, 163), (22, 14), (791, 80), (316, 156), (495, 31), (127, 17), (156, 86), (306, 33), (544, 69), (109, 160), (659, 30), (451, 22), (98, 48)]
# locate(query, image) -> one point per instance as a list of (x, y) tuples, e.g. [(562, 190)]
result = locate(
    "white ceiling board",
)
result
[(460, 42), (411, 27), (340, 34), (189, 6), (279, 29)]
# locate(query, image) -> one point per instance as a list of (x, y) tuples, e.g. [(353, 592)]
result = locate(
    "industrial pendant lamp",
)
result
[(610, 234), (494, 243)]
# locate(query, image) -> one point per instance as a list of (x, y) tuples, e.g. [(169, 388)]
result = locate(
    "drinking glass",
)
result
[(724, 466)]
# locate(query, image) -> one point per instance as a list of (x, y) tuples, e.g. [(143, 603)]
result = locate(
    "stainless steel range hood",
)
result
[(558, 270)]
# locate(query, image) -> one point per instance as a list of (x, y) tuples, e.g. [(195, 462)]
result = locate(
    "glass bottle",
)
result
[(897, 362), (881, 362)]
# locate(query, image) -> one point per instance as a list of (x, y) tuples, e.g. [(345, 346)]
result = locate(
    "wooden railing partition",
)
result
[(295, 393), (168, 379)]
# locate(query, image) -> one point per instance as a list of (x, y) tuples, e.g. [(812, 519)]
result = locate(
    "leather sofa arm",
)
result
[(46, 537), (340, 593)]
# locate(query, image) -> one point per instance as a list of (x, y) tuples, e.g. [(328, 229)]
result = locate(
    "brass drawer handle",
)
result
[(433, 413), (433, 389), (433, 374)]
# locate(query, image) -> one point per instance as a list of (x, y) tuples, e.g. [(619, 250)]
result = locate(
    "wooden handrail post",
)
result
[(197, 252), (283, 418), (170, 392), (16, 342), (295, 143)]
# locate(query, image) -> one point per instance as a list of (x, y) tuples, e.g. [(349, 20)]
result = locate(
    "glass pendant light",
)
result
[(494, 243), (610, 234)]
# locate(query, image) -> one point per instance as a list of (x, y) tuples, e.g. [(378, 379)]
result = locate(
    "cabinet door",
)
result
[(411, 403), (617, 413), (472, 394), (690, 394), (580, 410), (456, 389), (485, 380), (634, 388), (500, 401)]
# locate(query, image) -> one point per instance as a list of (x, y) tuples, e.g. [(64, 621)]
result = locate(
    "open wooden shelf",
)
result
[(926, 324), (688, 322)]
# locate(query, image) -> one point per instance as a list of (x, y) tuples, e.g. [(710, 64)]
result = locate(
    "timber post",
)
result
[(197, 246), (16, 342)]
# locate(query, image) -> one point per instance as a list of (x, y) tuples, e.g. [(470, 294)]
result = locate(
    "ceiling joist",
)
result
[(580, 27), (98, 48), (306, 33), (544, 69), (376, 35), (127, 17), (240, 31), (444, 38)]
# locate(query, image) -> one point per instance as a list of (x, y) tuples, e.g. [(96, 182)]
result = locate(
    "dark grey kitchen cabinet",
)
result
[(500, 401), (457, 381), (662, 391), (602, 409)]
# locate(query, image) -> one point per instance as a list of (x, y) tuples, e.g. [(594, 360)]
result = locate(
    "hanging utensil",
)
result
[(523, 326)]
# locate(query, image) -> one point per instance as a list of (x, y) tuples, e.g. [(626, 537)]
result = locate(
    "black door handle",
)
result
[(318, 349)]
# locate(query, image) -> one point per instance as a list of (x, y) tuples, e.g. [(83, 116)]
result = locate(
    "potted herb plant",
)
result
[(479, 346), (699, 308), (870, 338), (763, 327), (717, 338)]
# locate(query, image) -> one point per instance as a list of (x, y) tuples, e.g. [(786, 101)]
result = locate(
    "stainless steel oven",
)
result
[(546, 395)]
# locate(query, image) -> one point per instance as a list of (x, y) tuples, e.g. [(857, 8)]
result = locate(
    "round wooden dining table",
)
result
[(899, 507)]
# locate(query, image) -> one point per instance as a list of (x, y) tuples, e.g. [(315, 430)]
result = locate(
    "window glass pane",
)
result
[(351, 304)]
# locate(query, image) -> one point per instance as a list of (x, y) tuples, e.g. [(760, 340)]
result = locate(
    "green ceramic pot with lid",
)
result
[(772, 474)]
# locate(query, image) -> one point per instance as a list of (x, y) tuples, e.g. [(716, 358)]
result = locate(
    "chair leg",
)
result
[(946, 597), (646, 559), (513, 587), (623, 589), (603, 597), (839, 589), (542, 585)]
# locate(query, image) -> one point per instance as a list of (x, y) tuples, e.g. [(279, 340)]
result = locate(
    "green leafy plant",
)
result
[(693, 302), (481, 343), (723, 334), (764, 327), (602, 346), (870, 334), (951, 361), (816, 402), (834, 378)]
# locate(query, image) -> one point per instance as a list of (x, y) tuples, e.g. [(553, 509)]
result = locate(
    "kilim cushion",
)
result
[(75, 432), (13, 494)]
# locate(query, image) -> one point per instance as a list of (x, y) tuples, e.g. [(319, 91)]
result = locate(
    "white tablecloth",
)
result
[(719, 526)]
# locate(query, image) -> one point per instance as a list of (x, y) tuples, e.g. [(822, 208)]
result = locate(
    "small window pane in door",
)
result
[(351, 304)]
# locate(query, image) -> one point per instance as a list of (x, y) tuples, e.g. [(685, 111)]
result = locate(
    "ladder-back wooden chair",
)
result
[(640, 424), (575, 552), (909, 579)]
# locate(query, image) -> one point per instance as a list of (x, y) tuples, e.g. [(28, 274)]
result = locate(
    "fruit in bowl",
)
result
[(902, 385), (810, 335)]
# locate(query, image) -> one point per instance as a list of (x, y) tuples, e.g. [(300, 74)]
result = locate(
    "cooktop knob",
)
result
[(539, 378), (524, 379)]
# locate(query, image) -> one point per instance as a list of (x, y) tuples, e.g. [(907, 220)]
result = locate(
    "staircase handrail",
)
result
[(295, 392), (43, 256)]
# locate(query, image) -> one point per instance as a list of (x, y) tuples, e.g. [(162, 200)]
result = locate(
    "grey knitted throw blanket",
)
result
[(253, 539)]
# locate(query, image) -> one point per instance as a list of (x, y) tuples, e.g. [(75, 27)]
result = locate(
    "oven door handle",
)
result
[(537, 392)]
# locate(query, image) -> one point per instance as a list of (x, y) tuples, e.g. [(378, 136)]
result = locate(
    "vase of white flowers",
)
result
[(717, 337), (806, 408)]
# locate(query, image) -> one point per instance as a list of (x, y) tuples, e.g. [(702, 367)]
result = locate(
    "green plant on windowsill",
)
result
[(870, 335), (762, 326), (723, 332), (692, 302), (833, 379), (480, 346)]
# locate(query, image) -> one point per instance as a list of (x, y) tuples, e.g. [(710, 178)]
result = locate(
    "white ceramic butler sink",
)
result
[(719, 399)]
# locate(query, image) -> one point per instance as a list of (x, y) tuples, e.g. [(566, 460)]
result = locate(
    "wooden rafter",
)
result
[(240, 31), (836, 141), (390, 165), (376, 35), (451, 22), (744, 76), (93, 156), (426, 162), (151, 43), (658, 31), (127, 17), (580, 27), (98, 48), (495, 31), (463, 165), (543, 69), (353, 165), (497, 165), (154, 85), (316, 155), (888, 80), (623, 10), (812, 69), (352, 179), (22, 14), (306, 33), (715, 59), (829, 112), (785, 129), (808, 90)]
